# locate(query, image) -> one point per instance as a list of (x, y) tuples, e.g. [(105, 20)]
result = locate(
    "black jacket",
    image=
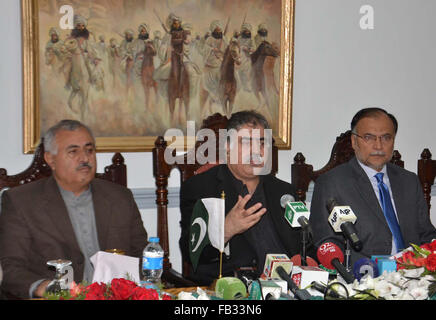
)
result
[(211, 184)]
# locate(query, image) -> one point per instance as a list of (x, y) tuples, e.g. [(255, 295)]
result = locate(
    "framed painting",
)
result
[(130, 70)]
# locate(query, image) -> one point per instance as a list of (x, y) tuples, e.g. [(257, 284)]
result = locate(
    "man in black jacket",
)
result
[(254, 223)]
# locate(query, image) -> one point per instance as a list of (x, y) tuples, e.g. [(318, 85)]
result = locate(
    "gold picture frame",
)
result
[(34, 44)]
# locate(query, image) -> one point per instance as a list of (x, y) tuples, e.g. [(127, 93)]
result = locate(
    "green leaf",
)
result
[(421, 251)]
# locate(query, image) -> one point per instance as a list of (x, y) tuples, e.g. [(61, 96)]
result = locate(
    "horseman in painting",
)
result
[(144, 53), (263, 65), (54, 51), (247, 46), (79, 64), (213, 51), (227, 83), (172, 75)]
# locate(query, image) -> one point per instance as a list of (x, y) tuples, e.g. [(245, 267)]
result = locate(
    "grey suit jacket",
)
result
[(349, 185), (35, 228)]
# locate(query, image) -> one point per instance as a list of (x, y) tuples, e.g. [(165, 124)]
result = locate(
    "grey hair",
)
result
[(49, 137)]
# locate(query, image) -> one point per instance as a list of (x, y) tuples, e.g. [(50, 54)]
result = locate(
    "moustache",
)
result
[(84, 165), (378, 153), (255, 158)]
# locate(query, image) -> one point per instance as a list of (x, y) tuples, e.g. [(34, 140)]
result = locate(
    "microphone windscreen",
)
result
[(327, 252), (285, 199), (331, 203), (296, 261), (363, 267), (230, 288)]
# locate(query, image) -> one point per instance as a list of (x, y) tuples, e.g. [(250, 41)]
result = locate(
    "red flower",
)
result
[(166, 297), (431, 262), (76, 289), (433, 246), (429, 246), (140, 293), (406, 258), (426, 246), (96, 291), (122, 289)]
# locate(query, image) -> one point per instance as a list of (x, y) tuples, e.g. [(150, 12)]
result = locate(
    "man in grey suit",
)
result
[(387, 200), (70, 215)]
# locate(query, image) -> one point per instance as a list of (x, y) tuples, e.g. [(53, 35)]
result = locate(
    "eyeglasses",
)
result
[(372, 139)]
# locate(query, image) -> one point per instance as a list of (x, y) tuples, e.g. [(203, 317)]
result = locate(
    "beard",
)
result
[(176, 29), (129, 39), (143, 36), (55, 40), (217, 35), (246, 35), (263, 33), (76, 33)]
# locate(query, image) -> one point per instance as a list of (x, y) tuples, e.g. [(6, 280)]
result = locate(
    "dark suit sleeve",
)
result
[(322, 231), (138, 234), (15, 242)]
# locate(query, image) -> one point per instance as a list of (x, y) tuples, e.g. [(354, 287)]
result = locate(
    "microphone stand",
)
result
[(347, 255), (303, 249)]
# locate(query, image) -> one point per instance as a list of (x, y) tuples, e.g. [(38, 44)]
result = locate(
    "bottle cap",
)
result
[(153, 239)]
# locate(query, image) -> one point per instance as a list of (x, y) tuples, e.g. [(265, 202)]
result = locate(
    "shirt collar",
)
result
[(370, 172), (70, 197), (238, 183)]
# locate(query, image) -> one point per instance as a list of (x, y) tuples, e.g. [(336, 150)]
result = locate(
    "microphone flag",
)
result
[(293, 211), (207, 227)]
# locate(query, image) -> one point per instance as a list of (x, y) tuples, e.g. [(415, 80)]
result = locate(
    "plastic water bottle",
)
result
[(152, 261)]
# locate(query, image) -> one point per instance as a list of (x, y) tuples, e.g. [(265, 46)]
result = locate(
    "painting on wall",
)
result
[(130, 70)]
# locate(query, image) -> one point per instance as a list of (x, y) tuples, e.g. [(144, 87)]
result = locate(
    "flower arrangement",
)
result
[(118, 289), (419, 256), (400, 285), (415, 278)]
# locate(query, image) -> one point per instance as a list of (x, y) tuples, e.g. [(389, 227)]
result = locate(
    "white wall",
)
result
[(338, 69)]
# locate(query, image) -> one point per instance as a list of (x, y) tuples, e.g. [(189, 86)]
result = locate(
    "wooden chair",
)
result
[(427, 174), (116, 172), (162, 170), (342, 151)]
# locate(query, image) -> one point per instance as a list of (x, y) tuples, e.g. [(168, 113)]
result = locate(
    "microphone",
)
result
[(296, 212), (365, 266), (230, 288), (274, 260), (331, 257), (323, 289), (297, 215), (300, 294), (342, 218)]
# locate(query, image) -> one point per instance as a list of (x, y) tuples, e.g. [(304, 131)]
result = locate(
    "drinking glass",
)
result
[(58, 283)]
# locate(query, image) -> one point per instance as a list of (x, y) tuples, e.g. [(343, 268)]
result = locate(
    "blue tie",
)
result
[(389, 212)]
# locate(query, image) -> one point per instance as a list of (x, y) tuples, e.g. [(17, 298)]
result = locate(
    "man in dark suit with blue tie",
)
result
[(387, 200)]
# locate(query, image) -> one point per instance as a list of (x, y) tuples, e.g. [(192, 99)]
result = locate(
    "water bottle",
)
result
[(152, 261)]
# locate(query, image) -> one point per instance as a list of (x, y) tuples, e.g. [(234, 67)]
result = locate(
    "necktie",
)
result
[(388, 210)]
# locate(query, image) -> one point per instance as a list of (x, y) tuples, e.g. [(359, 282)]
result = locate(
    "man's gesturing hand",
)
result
[(240, 219)]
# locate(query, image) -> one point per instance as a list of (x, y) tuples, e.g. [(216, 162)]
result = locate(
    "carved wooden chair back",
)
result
[(427, 174)]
